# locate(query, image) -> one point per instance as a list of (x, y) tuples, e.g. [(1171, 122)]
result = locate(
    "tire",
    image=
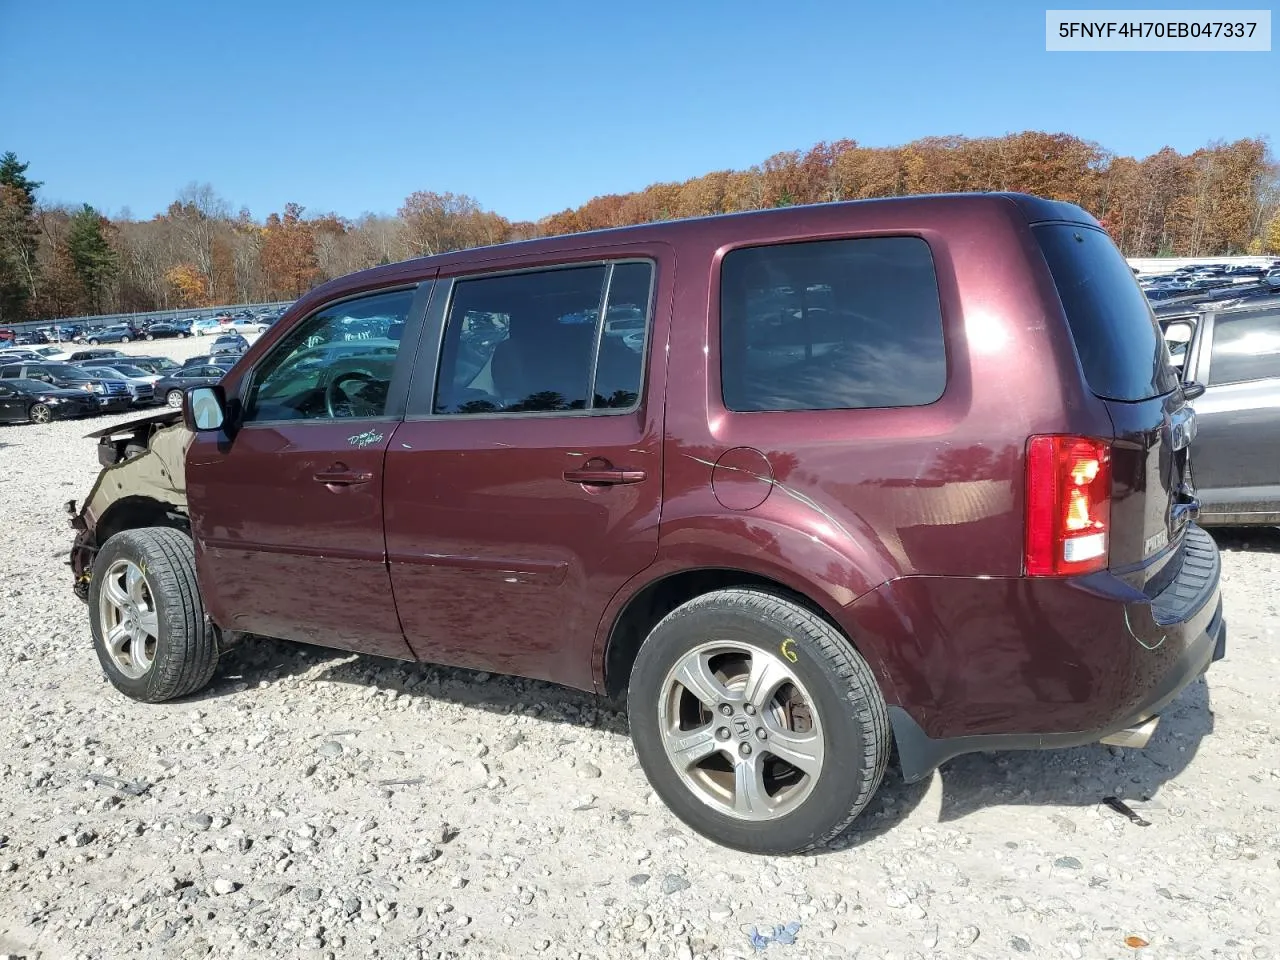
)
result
[(182, 654), (847, 739), (173, 398), (150, 337), (39, 413), (94, 341), (124, 339)]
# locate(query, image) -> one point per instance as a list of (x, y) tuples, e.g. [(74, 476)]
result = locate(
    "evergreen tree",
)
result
[(92, 256), (19, 237)]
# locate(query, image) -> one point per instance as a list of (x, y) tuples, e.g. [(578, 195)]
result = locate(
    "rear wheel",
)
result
[(757, 723), (94, 341), (39, 413), (151, 336), (173, 398), (147, 618)]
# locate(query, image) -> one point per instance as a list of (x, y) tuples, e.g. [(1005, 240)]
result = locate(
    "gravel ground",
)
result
[(316, 804)]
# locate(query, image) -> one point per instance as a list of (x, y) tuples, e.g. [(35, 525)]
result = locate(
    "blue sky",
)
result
[(536, 105)]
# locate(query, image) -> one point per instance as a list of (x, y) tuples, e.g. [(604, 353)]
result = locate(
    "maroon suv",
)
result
[(803, 483)]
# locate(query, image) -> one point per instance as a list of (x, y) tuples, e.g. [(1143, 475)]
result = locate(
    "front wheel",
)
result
[(757, 722), (174, 398), (147, 618), (151, 336), (39, 413), (124, 339)]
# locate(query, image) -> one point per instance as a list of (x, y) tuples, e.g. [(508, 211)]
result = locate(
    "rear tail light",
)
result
[(1068, 505)]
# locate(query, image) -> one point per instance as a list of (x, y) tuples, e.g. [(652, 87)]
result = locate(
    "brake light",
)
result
[(1068, 505)]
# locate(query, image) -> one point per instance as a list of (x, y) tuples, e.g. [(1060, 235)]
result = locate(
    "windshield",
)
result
[(131, 371)]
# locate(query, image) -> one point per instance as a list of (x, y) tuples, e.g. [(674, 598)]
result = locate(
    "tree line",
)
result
[(59, 261)]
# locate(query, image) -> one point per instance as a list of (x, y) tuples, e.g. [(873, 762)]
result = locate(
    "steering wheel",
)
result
[(350, 406)]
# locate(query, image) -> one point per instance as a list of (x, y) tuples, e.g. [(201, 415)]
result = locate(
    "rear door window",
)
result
[(1120, 347), (1245, 348), (536, 342), (831, 324)]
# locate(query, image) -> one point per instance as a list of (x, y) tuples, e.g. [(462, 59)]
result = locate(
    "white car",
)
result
[(207, 325), (245, 325)]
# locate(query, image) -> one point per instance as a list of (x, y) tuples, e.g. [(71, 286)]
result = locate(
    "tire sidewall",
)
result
[(845, 764)]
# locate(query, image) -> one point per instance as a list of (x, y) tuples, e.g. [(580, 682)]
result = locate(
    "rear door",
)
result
[(287, 512), (1126, 364), (1238, 415), (526, 490)]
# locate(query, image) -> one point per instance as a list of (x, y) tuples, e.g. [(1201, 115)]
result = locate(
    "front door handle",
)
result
[(608, 476), (339, 476)]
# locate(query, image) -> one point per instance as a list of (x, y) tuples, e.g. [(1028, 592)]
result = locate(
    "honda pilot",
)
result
[(909, 472)]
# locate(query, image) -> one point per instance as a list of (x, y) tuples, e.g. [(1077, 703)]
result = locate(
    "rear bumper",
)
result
[(920, 755), (1014, 664)]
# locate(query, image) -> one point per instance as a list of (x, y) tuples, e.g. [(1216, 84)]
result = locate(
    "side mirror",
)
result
[(1191, 389), (204, 408)]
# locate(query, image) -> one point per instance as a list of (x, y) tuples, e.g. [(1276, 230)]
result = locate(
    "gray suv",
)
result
[(1235, 354)]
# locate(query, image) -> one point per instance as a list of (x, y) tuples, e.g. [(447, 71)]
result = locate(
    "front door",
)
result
[(12, 404), (287, 512), (526, 490)]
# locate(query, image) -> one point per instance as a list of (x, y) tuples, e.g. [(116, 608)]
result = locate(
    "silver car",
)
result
[(1235, 458)]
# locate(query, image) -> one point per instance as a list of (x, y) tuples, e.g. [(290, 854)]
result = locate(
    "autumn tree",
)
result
[(288, 257), (439, 222)]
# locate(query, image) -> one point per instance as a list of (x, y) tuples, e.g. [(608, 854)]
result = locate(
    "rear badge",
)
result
[(1156, 542)]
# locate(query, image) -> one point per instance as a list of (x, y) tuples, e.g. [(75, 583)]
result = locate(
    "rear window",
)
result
[(831, 324), (1120, 347)]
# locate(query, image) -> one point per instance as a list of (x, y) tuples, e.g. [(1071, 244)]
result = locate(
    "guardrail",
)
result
[(107, 319)]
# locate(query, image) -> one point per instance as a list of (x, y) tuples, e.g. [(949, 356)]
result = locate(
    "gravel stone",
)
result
[(330, 749), (674, 883)]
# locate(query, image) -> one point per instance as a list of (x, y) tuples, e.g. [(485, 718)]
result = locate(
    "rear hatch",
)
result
[(1126, 364)]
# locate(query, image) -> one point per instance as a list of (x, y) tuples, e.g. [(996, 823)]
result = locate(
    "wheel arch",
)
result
[(132, 512), (630, 620)]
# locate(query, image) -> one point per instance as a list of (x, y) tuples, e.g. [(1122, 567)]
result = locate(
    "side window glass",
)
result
[(831, 324), (1245, 348), (337, 363), (535, 342), (1178, 338), (521, 343), (620, 365)]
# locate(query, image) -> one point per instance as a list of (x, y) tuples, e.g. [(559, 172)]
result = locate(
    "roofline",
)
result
[(1035, 209)]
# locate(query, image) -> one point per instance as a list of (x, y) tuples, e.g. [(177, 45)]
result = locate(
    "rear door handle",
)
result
[(609, 476), (342, 477)]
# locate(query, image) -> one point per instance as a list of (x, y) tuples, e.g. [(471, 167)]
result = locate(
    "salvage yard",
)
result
[(319, 804)]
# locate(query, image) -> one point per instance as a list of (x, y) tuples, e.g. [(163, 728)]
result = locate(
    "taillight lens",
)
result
[(1068, 505)]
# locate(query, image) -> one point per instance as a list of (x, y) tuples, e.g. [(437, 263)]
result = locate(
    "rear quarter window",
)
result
[(831, 324), (1121, 350)]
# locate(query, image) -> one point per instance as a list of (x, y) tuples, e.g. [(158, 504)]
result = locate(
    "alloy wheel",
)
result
[(130, 624), (741, 731)]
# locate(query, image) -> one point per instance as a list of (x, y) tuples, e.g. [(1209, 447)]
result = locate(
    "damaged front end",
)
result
[(143, 483)]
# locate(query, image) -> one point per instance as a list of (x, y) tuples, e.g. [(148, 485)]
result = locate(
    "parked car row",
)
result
[(244, 321), (98, 380)]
